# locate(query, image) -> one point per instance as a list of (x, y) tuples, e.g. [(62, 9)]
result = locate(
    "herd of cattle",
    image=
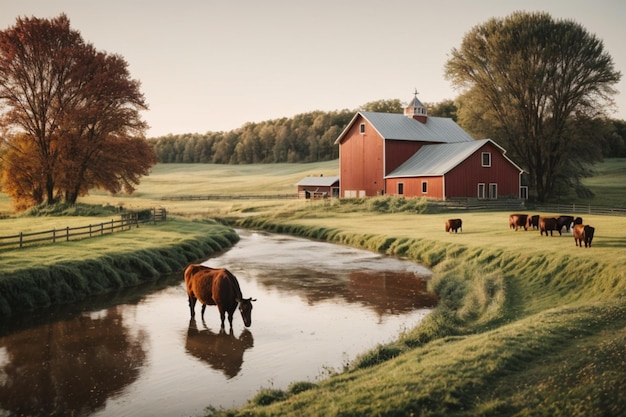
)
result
[(583, 233)]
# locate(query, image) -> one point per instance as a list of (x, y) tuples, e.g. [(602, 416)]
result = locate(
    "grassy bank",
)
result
[(527, 324), (66, 272)]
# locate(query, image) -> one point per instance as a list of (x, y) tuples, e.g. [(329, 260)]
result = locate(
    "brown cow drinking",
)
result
[(454, 225), (216, 287)]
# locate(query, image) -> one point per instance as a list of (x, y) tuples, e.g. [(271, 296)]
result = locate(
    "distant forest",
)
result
[(307, 137)]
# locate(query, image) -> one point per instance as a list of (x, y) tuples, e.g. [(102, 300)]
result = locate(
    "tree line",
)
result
[(310, 137), (306, 137)]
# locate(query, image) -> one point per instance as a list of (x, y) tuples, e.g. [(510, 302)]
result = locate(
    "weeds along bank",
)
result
[(37, 277), (530, 332)]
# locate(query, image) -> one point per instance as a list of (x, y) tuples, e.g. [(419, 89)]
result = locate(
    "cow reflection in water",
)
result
[(222, 351)]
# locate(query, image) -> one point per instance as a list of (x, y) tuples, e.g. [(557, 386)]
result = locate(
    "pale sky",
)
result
[(213, 65)]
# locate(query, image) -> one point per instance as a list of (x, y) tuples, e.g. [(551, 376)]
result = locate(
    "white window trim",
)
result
[(493, 186), (481, 187), (482, 159)]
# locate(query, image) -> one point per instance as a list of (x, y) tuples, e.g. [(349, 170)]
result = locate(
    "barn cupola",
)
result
[(416, 110)]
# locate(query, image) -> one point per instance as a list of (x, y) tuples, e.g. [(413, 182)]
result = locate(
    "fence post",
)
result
[(21, 240), (67, 233), (54, 240)]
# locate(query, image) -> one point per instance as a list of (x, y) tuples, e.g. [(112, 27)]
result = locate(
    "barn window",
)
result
[(424, 187), (362, 128), (481, 191), (486, 158), (400, 188), (493, 191), (523, 192)]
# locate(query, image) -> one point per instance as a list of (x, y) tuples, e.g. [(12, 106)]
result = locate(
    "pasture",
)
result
[(526, 325)]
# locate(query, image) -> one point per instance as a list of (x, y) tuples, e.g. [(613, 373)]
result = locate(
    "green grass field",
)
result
[(527, 325)]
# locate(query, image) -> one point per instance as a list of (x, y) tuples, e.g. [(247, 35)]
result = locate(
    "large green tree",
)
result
[(536, 85), (70, 116)]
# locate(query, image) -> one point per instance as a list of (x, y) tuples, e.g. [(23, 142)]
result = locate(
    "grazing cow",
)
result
[(564, 221), (589, 232), (583, 234), (532, 222), (518, 220), (454, 225), (548, 224), (216, 287)]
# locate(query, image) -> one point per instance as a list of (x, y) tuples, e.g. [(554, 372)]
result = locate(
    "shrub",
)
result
[(268, 396)]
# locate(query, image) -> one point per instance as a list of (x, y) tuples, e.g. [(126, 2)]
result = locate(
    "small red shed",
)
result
[(318, 187)]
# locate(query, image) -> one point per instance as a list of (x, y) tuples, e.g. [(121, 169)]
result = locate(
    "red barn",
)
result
[(415, 155)]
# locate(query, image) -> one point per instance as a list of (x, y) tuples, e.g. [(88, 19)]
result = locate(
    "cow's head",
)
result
[(245, 307)]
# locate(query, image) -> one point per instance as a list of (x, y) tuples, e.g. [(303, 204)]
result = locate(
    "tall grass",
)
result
[(71, 271), (526, 324)]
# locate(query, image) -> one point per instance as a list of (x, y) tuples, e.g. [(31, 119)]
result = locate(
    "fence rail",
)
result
[(127, 221), (515, 205), (582, 209), (228, 197)]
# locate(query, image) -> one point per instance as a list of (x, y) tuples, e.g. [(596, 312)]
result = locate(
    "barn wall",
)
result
[(361, 161), (413, 187), (398, 151), (463, 180)]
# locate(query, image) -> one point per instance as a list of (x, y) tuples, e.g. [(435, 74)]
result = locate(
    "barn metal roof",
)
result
[(400, 127), (319, 181), (436, 160)]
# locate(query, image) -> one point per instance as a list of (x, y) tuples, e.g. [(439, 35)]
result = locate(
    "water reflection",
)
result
[(222, 351), (134, 353), (390, 293), (69, 367), (319, 271)]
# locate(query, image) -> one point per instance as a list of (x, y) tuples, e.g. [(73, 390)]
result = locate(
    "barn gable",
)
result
[(439, 159)]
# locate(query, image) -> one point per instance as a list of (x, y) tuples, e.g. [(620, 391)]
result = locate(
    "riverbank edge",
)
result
[(461, 275), (71, 280)]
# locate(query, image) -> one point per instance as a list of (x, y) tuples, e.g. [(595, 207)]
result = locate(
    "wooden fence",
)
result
[(523, 206), (192, 197), (127, 221)]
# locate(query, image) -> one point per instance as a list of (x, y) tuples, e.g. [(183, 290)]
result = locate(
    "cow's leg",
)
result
[(222, 316), (203, 308), (192, 305), (230, 318)]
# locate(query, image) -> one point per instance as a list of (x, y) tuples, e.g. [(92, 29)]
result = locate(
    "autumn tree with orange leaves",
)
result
[(69, 114)]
